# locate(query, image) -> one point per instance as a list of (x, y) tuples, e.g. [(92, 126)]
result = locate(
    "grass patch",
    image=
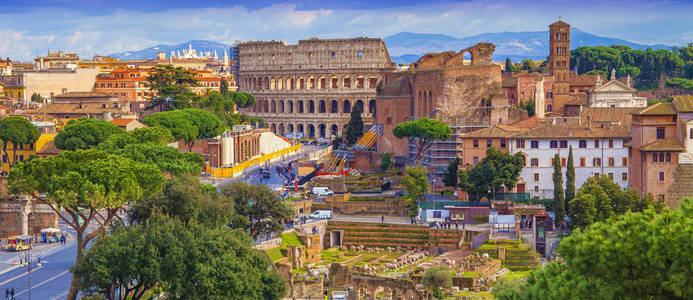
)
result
[(290, 239), (275, 254), (469, 274), (518, 274)]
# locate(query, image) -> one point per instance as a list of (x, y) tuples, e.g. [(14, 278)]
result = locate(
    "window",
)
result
[(553, 162), (612, 162), (503, 143), (563, 161), (536, 176), (436, 214), (624, 161), (564, 144), (624, 176), (536, 188), (661, 157), (554, 144), (654, 157), (534, 162), (668, 157), (549, 95), (389, 120), (582, 161), (611, 143), (476, 160), (535, 144), (333, 54), (660, 133), (660, 197), (597, 162), (583, 143), (596, 143), (489, 143), (476, 143), (661, 176), (520, 144), (611, 175)]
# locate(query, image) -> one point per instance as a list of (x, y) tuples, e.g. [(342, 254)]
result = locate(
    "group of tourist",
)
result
[(9, 294)]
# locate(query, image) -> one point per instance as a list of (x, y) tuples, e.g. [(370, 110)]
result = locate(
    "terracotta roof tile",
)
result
[(662, 108), (502, 131), (48, 148), (683, 103), (670, 144), (122, 122), (531, 122)]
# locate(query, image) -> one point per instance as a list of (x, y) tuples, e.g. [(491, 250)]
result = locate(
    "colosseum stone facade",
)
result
[(311, 87)]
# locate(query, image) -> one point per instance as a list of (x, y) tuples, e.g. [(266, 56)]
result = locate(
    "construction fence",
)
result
[(240, 167)]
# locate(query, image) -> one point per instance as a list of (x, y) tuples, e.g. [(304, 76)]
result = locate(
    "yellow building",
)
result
[(24, 151), (13, 89)]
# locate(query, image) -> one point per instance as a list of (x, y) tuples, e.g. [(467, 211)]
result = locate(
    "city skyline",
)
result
[(101, 27)]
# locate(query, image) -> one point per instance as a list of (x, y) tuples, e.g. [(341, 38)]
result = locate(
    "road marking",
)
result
[(43, 282), (20, 275), (60, 295)]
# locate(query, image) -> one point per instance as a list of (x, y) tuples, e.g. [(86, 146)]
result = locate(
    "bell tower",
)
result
[(559, 63)]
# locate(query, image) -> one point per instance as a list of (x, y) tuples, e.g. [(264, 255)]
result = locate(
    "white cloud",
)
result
[(122, 30)]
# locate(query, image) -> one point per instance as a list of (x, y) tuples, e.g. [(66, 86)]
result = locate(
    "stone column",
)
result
[(24, 210)]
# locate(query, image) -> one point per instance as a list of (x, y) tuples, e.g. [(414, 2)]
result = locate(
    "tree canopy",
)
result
[(17, 130), (188, 124), (149, 135), (85, 133), (558, 194), (259, 209), (172, 86), (451, 178), (645, 255), (354, 129), (242, 99), (498, 169), (423, 132)]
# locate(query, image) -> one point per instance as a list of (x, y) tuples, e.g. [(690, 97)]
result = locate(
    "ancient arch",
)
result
[(290, 84), (430, 102), (334, 130), (281, 106), (346, 81), (299, 128), (322, 131), (321, 82), (273, 83), (273, 127), (311, 106), (290, 127), (299, 106), (322, 107), (549, 108), (266, 84), (281, 129), (266, 105), (273, 106), (334, 82), (280, 83), (371, 106), (311, 131), (359, 103), (346, 107), (311, 82), (301, 83), (290, 103), (334, 107), (360, 81)]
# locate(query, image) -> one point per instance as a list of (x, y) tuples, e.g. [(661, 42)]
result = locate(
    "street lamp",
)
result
[(26, 259)]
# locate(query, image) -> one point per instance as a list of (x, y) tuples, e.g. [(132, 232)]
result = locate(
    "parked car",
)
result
[(321, 214), (322, 191)]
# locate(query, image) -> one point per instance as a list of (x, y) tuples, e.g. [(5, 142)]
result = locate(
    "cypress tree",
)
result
[(354, 128), (558, 200), (570, 180), (508, 65), (224, 87)]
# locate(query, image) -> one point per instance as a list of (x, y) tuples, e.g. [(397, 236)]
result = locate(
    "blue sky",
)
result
[(89, 27)]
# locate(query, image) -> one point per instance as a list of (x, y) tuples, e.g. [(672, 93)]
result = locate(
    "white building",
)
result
[(600, 147), (614, 94)]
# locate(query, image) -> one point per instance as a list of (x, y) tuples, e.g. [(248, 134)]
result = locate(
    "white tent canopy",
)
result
[(50, 230)]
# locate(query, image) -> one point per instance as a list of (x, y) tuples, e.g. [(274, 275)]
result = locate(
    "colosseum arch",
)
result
[(360, 81), (311, 106), (311, 131), (371, 106), (359, 103), (273, 106), (322, 108), (321, 82), (334, 130), (299, 106), (280, 83), (273, 127), (273, 83), (290, 127), (299, 129), (346, 107), (311, 82), (346, 81), (334, 82), (254, 84), (281, 130), (281, 106), (290, 83), (301, 83), (290, 104), (322, 130), (266, 84), (266, 105), (334, 107)]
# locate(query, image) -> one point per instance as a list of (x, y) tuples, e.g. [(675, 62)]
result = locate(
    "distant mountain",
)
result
[(407, 47), (150, 53)]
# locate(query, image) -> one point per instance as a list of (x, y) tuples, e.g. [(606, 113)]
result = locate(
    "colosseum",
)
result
[(310, 88)]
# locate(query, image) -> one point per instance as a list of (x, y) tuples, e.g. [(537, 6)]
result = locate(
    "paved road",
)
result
[(51, 280)]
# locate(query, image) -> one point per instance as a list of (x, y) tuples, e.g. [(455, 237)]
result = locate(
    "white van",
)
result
[(322, 191), (321, 214)]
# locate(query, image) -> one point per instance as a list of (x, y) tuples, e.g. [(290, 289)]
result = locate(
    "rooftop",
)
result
[(83, 95), (683, 103), (670, 144), (662, 108)]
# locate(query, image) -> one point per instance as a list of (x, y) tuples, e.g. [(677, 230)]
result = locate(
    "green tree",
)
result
[(259, 209), (582, 211), (243, 99), (85, 133), (185, 198), (558, 194), (625, 71), (508, 65), (450, 178), (569, 181), (180, 259), (437, 277), (89, 185), (379, 87), (416, 184), (188, 124), (386, 161), (634, 256), (168, 159), (224, 87), (529, 106), (172, 86), (147, 135), (423, 132), (354, 129), (36, 97), (18, 131), (336, 142), (497, 169)]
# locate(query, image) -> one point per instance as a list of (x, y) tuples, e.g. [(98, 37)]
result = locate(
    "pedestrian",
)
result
[(457, 226), (382, 218), (12, 293), (7, 294)]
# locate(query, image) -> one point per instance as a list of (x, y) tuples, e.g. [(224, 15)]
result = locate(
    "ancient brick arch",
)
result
[(481, 53), (366, 286)]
